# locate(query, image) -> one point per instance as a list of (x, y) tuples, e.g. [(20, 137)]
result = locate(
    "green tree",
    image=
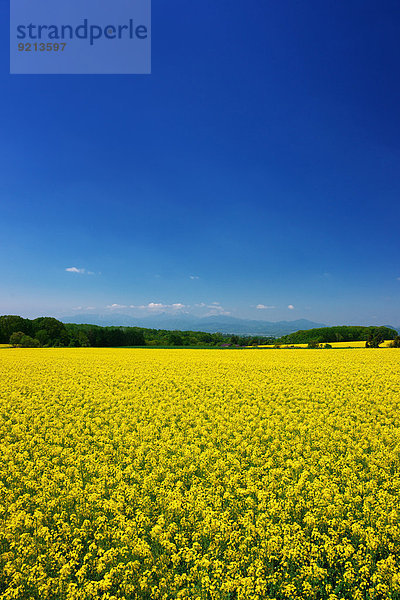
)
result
[(174, 339), (55, 329), (16, 337), (13, 323), (313, 344), (28, 342), (82, 339), (43, 337), (376, 337)]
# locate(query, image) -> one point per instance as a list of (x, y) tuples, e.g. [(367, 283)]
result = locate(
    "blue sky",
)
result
[(257, 166)]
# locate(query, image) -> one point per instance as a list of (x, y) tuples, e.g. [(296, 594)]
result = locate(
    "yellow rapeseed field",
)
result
[(384, 344), (199, 474)]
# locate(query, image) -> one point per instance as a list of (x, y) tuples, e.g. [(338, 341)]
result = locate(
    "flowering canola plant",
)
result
[(359, 344), (200, 474)]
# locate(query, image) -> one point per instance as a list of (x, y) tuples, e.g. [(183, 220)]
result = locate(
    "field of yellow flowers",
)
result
[(199, 474), (384, 344)]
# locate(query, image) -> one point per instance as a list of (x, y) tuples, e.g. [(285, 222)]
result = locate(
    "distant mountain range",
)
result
[(212, 324)]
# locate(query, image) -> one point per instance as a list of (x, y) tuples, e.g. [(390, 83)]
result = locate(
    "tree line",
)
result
[(50, 332), (341, 333)]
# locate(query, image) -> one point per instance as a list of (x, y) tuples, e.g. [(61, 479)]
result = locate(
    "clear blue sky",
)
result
[(257, 166)]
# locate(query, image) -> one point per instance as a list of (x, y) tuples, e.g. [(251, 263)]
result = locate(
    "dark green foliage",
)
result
[(396, 342), (43, 337), (375, 337), (16, 337), (342, 333), (28, 342), (313, 344), (138, 336), (52, 331), (47, 331), (175, 339), (104, 337), (10, 324), (44, 331)]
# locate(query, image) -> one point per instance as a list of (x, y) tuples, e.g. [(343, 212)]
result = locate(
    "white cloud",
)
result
[(215, 310), (80, 271), (194, 277), (114, 306), (158, 306), (90, 308), (291, 307), (264, 306), (153, 307), (150, 306), (75, 270)]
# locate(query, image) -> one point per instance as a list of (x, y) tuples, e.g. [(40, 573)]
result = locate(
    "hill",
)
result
[(340, 333)]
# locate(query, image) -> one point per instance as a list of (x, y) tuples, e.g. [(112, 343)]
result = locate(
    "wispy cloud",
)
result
[(213, 308), (116, 306), (216, 309), (264, 307), (194, 277), (290, 307), (154, 306), (84, 308), (81, 271)]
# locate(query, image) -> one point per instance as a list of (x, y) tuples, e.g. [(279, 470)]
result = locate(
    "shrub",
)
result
[(395, 343), (28, 342), (16, 337), (313, 344)]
